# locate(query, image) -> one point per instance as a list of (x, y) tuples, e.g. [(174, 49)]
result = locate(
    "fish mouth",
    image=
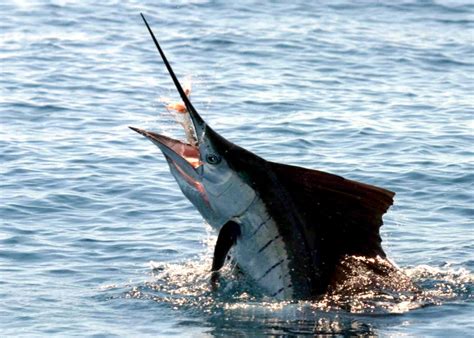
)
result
[(183, 154)]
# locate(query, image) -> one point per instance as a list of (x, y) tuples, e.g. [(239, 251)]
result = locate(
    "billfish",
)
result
[(297, 233)]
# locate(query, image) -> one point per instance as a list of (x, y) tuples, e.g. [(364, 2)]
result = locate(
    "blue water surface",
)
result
[(97, 239)]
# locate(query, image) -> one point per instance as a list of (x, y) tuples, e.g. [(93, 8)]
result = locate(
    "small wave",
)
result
[(443, 284)]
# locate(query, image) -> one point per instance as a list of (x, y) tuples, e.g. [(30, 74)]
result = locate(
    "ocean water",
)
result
[(97, 240)]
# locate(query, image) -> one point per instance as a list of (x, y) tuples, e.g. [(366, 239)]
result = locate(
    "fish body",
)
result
[(291, 230)]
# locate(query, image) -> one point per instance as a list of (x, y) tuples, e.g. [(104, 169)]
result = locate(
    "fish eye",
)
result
[(213, 159)]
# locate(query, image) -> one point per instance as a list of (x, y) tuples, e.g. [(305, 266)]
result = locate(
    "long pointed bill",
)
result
[(182, 155), (199, 124)]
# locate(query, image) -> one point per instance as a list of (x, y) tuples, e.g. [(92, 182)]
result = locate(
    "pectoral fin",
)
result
[(227, 237)]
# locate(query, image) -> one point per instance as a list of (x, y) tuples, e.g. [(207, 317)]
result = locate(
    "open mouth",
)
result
[(186, 151)]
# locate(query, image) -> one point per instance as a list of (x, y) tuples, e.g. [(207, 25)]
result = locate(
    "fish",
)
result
[(296, 233)]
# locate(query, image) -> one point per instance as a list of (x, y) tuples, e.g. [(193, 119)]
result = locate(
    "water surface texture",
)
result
[(97, 239)]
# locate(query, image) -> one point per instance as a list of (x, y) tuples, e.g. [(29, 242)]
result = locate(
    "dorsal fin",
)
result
[(342, 217)]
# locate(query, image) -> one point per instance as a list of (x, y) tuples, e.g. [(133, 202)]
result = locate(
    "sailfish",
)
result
[(296, 233)]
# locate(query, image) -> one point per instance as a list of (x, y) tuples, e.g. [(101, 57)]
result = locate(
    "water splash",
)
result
[(186, 286)]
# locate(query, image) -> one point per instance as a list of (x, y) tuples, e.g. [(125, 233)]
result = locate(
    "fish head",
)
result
[(202, 167), (204, 174)]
